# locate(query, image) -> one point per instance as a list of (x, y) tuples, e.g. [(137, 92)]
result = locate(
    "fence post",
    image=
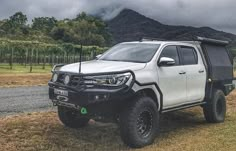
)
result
[(31, 59), (11, 57), (37, 56), (52, 56), (26, 56), (44, 59), (0, 55)]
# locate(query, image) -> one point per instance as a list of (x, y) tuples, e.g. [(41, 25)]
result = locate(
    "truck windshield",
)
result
[(131, 52)]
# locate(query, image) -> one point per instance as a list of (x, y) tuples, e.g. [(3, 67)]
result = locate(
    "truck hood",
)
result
[(99, 66)]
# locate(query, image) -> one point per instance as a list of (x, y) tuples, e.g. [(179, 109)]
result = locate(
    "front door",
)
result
[(172, 79)]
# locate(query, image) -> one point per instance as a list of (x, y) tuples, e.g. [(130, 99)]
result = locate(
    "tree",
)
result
[(18, 20), (84, 29), (2, 22), (81, 16), (16, 23), (44, 24), (63, 31), (68, 48), (86, 33), (99, 23)]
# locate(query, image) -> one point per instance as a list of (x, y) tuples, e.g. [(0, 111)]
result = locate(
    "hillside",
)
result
[(130, 25)]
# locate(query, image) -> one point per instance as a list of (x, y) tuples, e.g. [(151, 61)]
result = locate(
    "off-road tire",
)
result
[(131, 122), (215, 109), (71, 118)]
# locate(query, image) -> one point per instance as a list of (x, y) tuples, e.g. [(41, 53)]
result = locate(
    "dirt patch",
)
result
[(231, 103), (14, 80)]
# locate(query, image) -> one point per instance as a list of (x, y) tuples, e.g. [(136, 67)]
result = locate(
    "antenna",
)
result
[(80, 58)]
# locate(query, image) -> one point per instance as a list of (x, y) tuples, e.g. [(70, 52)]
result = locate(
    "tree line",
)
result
[(83, 29)]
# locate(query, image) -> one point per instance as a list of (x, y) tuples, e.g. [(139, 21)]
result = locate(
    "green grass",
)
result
[(17, 69)]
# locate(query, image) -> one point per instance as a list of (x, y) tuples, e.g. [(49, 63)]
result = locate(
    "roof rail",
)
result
[(197, 38), (212, 41), (151, 39)]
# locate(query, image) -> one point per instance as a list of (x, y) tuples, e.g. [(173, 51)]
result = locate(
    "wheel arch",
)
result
[(220, 86), (150, 93)]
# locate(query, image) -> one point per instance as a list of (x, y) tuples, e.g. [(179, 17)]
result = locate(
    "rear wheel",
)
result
[(71, 118), (139, 122), (215, 109)]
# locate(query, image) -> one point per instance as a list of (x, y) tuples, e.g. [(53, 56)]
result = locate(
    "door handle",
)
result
[(182, 72), (201, 71)]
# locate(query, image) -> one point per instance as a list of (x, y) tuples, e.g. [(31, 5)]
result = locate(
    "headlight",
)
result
[(109, 80), (54, 77), (67, 80)]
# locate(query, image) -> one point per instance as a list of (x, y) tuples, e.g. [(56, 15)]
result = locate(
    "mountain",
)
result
[(129, 25)]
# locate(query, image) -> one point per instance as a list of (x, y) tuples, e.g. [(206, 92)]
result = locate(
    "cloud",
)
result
[(198, 13)]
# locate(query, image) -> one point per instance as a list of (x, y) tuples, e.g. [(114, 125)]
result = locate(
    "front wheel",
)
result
[(71, 118), (215, 109), (139, 122)]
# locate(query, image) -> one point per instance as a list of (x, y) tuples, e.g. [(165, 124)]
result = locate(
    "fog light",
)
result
[(105, 97), (96, 97), (54, 77), (67, 80)]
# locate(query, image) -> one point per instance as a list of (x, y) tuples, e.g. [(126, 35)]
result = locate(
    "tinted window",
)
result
[(131, 52), (189, 55), (171, 52), (220, 64), (218, 55)]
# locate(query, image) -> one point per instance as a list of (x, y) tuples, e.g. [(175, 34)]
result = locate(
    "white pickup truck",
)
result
[(134, 83)]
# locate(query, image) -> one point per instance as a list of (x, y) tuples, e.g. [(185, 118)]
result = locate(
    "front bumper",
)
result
[(84, 97)]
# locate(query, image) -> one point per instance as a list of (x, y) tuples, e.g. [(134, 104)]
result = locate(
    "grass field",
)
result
[(20, 76), (183, 130), (19, 69)]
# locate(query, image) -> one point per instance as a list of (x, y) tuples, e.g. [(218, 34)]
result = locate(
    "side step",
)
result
[(185, 106)]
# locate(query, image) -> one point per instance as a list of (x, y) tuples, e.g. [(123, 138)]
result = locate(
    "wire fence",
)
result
[(33, 53)]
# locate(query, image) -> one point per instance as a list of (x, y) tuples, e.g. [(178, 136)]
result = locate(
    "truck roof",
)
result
[(164, 42)]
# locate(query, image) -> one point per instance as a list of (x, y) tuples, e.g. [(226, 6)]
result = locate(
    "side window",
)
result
[(189, 55), (171, 52)]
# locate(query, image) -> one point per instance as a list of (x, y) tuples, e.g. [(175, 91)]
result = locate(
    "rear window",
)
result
[(189, 55), (218, 55), (219, 62)]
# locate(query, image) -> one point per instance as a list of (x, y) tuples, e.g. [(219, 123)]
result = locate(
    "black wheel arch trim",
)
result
[(158, 89)]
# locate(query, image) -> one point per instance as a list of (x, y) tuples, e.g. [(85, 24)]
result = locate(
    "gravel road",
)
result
[(24, 99)]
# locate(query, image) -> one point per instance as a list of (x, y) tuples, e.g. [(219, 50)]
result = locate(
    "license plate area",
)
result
[(61, 92)]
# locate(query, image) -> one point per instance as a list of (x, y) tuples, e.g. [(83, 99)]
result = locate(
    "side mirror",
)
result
[(98, 56), (165, 61)]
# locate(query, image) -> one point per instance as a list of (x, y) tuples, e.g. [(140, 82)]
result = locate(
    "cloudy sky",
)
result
[(218, 14)]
